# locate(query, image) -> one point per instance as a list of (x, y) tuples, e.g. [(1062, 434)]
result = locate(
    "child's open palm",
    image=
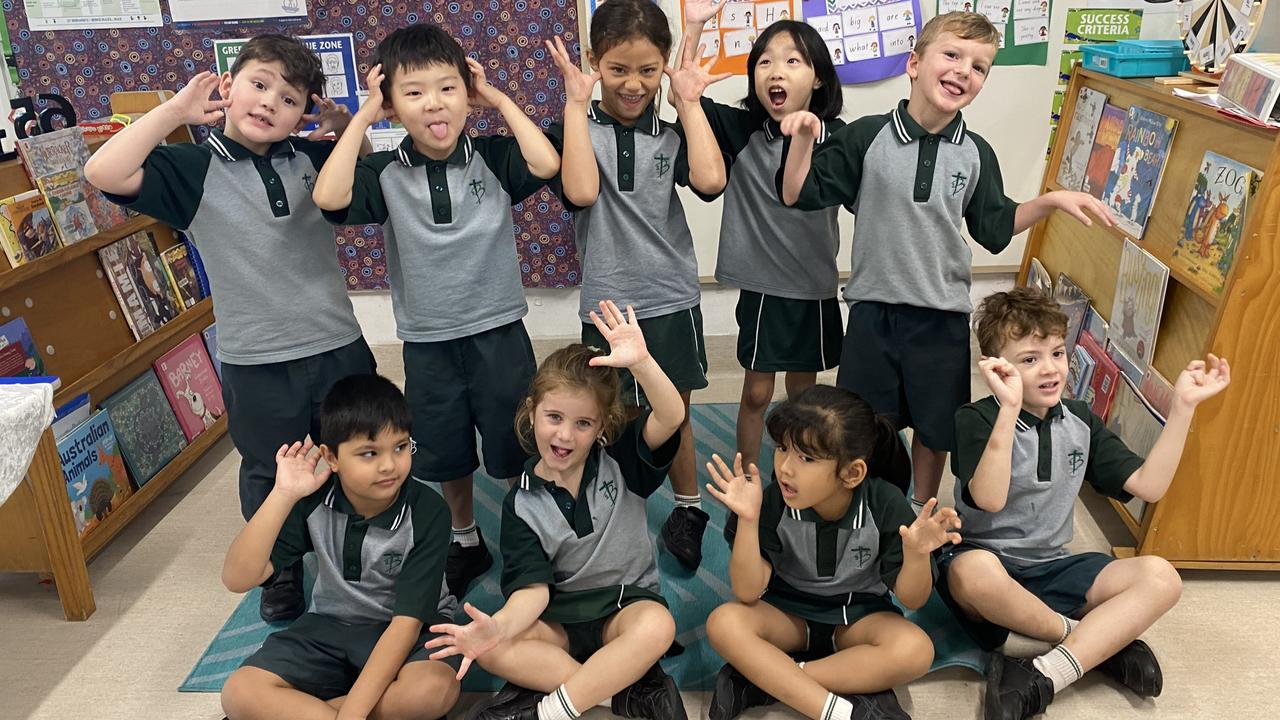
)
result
[(1080, 205), (470, 641), (296, 474), (694, 75), (194, 104), (329, 117), (931, 530), (1201, 381), (626, 341), (740, 492), (483, 93), (698, 12), (374, 109), (578, 85), (1003, 379)]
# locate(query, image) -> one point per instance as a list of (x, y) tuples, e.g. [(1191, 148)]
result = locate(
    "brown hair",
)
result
[(618, 21), (302, 67), (570, 368), (1006, 316), (964, 25)]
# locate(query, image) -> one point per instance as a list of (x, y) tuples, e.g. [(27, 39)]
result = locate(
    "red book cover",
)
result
[(1105, 376), (192, 386)]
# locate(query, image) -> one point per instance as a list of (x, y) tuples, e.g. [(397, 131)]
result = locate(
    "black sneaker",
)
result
[(1015, 689), (282, 596), (511, 702), (1135, 667), (464, 564), (682, 535), (881, 705), (735, 693), (654, 697)]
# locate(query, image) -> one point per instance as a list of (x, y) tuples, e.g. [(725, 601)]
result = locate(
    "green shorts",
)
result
[(322, 656), (675, 341), (586, 638), (777, 334), (821, 622)]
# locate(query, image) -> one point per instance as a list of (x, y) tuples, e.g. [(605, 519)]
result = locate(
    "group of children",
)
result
[(585, 438)]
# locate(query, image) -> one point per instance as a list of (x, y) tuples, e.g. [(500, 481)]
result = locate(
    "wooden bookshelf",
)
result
[(1216, 513)]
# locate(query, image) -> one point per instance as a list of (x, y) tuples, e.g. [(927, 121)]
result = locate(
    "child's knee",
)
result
[(975, 574), (914, 651), (725, 623), (1161, 578), (756, 396), (656, 625), (239, 692), (428, 693)]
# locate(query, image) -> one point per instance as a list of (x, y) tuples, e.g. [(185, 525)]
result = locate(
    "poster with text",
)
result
[(195, 12), (868, 39), (89, 14), (1023, 26), (728, 37)]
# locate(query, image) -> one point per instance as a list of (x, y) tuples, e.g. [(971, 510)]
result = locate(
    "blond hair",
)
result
[(570, 368), (964, 25)]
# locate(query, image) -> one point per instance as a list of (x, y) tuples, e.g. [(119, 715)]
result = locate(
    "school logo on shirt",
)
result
[(958, 182), (1075, 460), (477, 190), (862, 553), (609, 487), (662, 163), (309, 180), (391, 561)]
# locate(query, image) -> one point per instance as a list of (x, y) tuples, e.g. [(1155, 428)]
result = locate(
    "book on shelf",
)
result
[(1095, 326), (65, 151), (1251, 83), (1038, 278), (1102, 385), (182, 275), (1157, 392), (1079, 373), (1105, 141), (26, 228), (1136, 169), (192, 386), (68, 202), (18, 354), (1079, 144), (210, 335), (145, 425), (1139, 302), (1138, 425), (193, 253), (1075, 304), (94, 471), (70, 415), (138, 278), (1214, 220), (1130, 368)]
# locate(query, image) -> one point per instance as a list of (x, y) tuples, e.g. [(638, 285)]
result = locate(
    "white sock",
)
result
[(1060, 666), (468, 536), (837, 708), (917, 505), (689, 501), (557, 706), (1068, 625)]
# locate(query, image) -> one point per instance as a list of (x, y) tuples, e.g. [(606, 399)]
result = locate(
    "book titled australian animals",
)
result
[(94, 471)]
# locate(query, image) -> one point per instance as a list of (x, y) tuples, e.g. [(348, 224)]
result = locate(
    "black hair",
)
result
[(418, 46), (302, 67), (618, 21), (362, 406), (833, 423), (827, 100)]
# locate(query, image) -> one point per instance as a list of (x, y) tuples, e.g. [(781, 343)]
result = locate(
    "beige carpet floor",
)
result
[(160, 602)]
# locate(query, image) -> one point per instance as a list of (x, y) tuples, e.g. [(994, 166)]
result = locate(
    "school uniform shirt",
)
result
[(451, 251), (370, 569), (593, 550), (278, 291), (634, 242), (1051, 459), (765, 246), (823, 570), (917, 188)]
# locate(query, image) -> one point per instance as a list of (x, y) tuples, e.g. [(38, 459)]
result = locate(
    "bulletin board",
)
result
[(728, 37), (86, 66), (868, 40)]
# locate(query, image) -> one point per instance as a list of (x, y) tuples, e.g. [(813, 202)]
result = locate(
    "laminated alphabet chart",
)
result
[(868, 39), (729, 36), (1023, 26)]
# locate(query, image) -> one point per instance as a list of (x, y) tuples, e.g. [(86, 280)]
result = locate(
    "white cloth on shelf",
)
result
[(25, 411)]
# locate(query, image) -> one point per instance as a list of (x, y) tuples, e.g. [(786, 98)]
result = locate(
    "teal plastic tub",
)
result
[(1136, 58)]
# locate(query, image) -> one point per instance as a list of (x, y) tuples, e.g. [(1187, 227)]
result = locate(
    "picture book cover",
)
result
[(211, 344), (70, 415), (18, 354), (145, 425), (1075, 303), (1102, 386), (1038, 277), (1105, 141), (1214, 221), (67, 197), (1129, 367), (94, 470), (141, 285), (1134, 176), (1157, 392), (1138, 303), (64, 151), (1095, 326), (182, 275), (26, 228), (1084, 124), (192, 386), (1135, 423), (1079, 373)]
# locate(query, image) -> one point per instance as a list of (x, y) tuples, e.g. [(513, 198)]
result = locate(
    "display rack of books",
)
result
[(1192, 267), (116, 308)]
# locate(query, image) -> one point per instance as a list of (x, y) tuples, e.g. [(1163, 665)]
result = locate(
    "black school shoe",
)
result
[(735, 693), (464, 564), (511, 702), (1015, 689), (682, 535), (653, 697), (881, 705), (282, 599), (1135, 667)]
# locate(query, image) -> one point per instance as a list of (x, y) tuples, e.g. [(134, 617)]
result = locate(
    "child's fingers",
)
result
[(718, 495), (723, 467), (438, 642), (444, 653), (445, 629), (466, 665), (754, 471), (474, 612), (604, 329), (737, 464)]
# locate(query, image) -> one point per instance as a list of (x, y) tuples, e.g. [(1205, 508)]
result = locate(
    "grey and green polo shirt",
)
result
[(594, 550), (451, 252), (634, 242), (765, 246), (371, 569), (823, 570), (278, 292), (1051, 459), (917, 188)]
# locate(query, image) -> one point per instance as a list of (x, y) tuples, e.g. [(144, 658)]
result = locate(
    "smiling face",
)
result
[(809, 482), (783, 80), (630, 75), (566, 425), (431, 102), (946, 75), (265, 108), (1042, 362), (372, 469)]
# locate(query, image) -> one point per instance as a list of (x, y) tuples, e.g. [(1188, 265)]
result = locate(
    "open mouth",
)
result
[(788, 490), (631, 101), (952, 89), (439, 130), (260, 120), (1049, 387), (777, 97), (560, 452)]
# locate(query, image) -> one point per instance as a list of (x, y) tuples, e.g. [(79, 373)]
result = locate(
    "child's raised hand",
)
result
[(694, 76), (373, 110), (931, 530), (740, 492), (801, 124), (483, 93), (296, 474), (1080, 205), (578, 85), (1201, 381), (698, 12), (1003, 379), (329, 116), (193, 105), (626, 341), (470, 641)]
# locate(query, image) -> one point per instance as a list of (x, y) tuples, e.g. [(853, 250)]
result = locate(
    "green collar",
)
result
[(907, 130), (1028, 420), (231, 151), (389, 519), (529, 480), (409, 156), (855, 517), (647, 123)]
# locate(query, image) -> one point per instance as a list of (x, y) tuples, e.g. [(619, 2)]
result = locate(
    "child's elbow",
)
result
[(582, 199)]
